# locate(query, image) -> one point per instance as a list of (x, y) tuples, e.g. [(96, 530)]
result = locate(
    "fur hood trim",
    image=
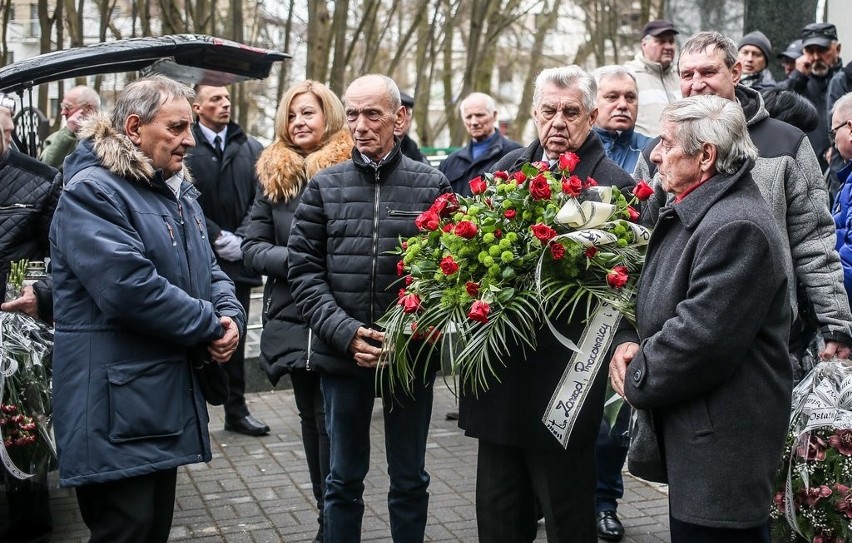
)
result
[(283, 172), (116, 152)]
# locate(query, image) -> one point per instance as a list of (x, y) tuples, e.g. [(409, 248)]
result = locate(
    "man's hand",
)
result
[(74, 121), (227, 246), (833, 349), (803, 64), (367, 354), (27, 303), (221, 349), (623, 355)]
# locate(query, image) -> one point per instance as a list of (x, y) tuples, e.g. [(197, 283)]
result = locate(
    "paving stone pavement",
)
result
[(257, 490)]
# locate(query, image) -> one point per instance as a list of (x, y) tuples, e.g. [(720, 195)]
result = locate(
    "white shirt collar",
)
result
[(209, 135)]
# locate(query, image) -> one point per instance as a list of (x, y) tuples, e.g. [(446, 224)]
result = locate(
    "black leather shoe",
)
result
[(247, 425), (609, 527)]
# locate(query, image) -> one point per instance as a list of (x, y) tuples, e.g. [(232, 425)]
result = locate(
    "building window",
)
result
[(35, 30)]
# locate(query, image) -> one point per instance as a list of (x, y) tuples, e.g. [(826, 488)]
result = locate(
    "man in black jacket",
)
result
[(352, 215), (519, 461), (222, 165), (30, 191), (487, 145)]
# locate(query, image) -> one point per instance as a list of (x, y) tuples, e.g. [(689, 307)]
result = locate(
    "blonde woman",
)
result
[(310, 135)]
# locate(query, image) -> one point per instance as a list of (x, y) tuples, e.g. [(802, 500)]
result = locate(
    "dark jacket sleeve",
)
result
[(307, 273), (696, 361), (260, 252), (43, 290)]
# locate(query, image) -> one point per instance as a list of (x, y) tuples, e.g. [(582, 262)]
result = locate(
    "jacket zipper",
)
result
[(375, 247), (310, 349), (17, 206), (200, 229), (402, 213)]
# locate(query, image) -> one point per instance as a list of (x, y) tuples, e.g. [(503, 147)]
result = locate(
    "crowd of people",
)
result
[(170, 214)]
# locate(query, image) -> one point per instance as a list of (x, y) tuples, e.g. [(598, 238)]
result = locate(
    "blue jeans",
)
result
[(610, 453), (348, 412)]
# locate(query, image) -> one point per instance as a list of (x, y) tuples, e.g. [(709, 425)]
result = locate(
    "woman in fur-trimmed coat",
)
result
[(310, 136)]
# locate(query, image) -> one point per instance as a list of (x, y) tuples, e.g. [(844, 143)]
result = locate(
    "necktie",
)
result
[(217, 147)]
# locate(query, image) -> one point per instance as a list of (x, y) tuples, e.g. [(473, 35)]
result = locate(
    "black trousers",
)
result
[(29, 519), (684, 532), (509, 481), (309, 402), (134, 510), (235, 407)]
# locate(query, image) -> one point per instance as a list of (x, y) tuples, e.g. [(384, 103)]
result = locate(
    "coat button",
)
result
[(637, 375)]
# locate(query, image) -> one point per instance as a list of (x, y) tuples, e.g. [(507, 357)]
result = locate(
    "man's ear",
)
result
[(708, 157), (132, 125), (400, 118)]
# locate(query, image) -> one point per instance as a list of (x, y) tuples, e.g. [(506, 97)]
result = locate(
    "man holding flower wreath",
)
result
[(519, 460)]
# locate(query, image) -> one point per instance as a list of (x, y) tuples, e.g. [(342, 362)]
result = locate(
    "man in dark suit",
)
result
[(222, 164), (519, 461)]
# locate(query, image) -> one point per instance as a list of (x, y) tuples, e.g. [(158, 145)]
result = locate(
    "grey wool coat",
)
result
[(713, 320)]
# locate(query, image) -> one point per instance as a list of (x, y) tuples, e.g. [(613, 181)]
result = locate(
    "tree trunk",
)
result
[(318, 31)]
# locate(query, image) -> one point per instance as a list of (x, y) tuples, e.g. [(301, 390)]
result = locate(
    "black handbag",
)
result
[(645, 456), (210, 376)]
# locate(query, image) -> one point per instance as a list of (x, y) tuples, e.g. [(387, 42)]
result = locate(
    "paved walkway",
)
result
[(257, 489)]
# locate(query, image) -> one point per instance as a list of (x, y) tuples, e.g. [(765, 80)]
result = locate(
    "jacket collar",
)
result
[(590, 153), (389, 162), (752, 104), (656, 67), (692, 209)]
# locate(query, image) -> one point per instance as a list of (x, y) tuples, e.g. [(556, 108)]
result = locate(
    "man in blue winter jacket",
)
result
[(138, 298)]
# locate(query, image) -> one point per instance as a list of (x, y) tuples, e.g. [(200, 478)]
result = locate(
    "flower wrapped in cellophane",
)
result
[(485, 271), (27, 447), (813, 491)]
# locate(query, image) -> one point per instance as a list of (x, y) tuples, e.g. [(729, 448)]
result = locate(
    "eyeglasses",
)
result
[(832, 135)]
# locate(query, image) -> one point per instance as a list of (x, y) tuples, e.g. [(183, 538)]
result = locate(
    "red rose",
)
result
[(572, 186), (433, 335), (428, 220), (568, 161), (502, 174), (541, 165), (408, 280), (557, 251), (617, 277), (634, 215), (498, 233), (539, 188), (404, 245), (519, 177), (448, 265), (465, 229), (591, 252), (642, 191), (400, 268), (472, 288), (448, 227), (543, 232), (510, 214), (590, 182), (477, 185), (445, 204), (479, 311), (410, 303)]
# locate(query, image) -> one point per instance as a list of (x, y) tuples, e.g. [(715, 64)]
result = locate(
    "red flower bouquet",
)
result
[(813, 490), (487, 269)]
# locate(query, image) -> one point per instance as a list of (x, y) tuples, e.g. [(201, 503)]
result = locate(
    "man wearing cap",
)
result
[(789, 55), (753, 53), (408, 147), (656, 74), (819, 62)]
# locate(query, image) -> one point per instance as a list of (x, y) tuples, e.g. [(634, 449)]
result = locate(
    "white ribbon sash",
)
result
[(569, 396), (8, 367)]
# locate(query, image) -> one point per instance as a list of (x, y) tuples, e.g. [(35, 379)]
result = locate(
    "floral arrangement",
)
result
[(486, 270), (813, 490), (26, 345)]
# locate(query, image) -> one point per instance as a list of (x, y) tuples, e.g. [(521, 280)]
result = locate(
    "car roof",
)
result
[(189, 58)]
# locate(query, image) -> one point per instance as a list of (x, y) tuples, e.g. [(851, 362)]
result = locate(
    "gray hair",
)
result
[(612, 70), (843, 104), (144, 97), (701, 41), (566, 77), (390, 86), (85, 96), (489, 101), (711, 119)]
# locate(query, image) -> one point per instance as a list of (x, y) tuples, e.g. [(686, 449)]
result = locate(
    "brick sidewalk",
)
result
[(258, 490)]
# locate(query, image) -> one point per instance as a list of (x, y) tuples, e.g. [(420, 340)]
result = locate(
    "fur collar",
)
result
[(283, 172), (116, 152)]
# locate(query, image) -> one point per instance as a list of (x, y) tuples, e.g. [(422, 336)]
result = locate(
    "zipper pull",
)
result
[(200, 229), (171, 232)]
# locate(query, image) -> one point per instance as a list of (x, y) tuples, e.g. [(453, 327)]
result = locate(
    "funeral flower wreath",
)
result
[(485, 271)]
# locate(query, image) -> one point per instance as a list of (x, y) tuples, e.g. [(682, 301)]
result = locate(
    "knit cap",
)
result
[(759, 40)]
